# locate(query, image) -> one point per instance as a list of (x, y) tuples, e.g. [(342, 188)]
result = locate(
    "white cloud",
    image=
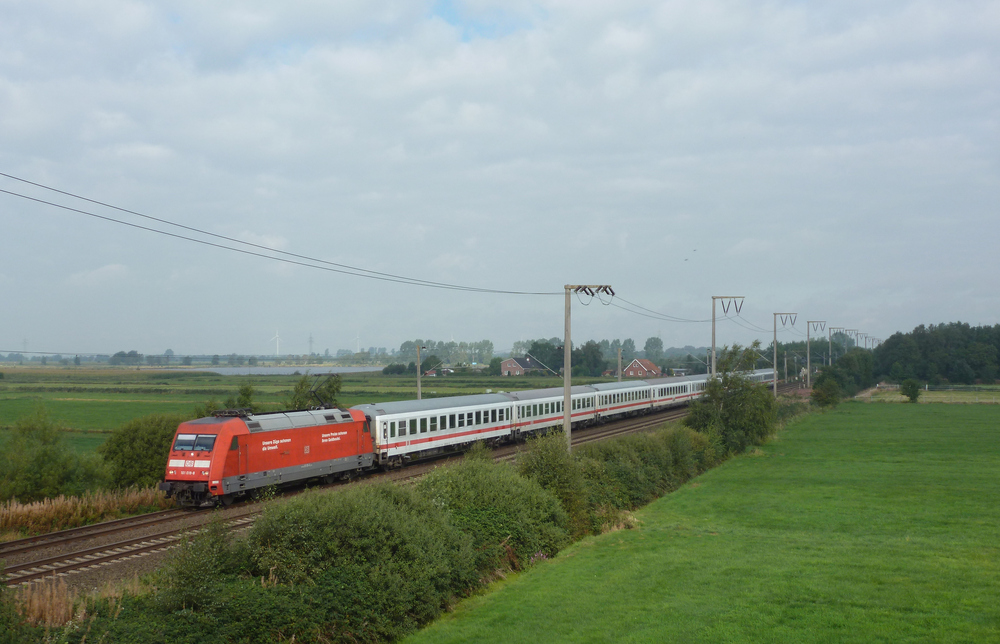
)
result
[(387, 135), (105, 275)]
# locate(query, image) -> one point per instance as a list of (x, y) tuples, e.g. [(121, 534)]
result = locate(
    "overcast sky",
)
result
[(838, 159)]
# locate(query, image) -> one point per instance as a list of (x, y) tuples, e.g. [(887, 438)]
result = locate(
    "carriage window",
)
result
[(468, 419), (461, 420), (423, 425), (479, 418), (413, 426), (392, 429), (451, 421), (434, 423), (234, 445), (444, 422)]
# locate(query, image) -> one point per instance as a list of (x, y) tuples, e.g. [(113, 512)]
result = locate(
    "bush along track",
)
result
[(372, 563)]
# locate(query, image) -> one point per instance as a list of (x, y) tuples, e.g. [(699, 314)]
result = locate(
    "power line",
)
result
[(326, 265), (656, 314)]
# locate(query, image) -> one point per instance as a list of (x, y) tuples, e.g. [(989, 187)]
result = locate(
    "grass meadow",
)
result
[(870, 523), (973, 396)]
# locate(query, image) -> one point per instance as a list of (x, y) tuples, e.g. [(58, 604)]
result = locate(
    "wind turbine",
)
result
[(277, 344)]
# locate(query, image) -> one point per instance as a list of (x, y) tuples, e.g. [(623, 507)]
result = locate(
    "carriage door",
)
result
[(366, 440)]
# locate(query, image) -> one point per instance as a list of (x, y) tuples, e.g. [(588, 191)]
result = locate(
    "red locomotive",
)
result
[(216, 459)]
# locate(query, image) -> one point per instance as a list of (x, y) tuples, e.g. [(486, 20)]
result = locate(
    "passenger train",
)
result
[(217, 459)]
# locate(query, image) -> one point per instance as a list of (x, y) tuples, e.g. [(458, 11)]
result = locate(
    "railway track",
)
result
[(75, 550)]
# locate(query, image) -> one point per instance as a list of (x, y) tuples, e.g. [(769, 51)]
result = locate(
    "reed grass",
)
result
[(62, 512), (53, 604)]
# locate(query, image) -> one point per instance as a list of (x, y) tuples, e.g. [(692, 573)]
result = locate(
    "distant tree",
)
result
[(186, 361), (137, 452), (588, 361), (244, 399), (305, 394), (76, 361), (654, 349), (962, 372), (911, 389), (394, 369), (300, 397), (329, 389), (45, 360), (215, 360), (547, 353), (252, 361), (494, 369), (430, 362), (613, 350), (628, 350)]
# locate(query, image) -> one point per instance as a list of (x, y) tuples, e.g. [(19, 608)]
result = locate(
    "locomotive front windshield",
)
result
[(194, 442)]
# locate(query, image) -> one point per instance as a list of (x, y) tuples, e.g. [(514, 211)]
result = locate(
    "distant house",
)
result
[(641, 368), (519, 366)]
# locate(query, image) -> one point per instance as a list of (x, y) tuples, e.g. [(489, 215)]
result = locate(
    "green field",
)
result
[(871, 523), (100, 400)]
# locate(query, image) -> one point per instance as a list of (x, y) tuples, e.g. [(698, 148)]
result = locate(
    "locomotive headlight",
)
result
[(204, 472), (171, 471)]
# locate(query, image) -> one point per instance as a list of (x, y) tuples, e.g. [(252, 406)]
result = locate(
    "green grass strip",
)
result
[(872, 523)]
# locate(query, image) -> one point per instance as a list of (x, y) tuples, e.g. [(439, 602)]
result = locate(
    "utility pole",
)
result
[(821, 326), (728, 301), (419, 370), (830, 340), (590, 290), (785, 319), (619, 364)]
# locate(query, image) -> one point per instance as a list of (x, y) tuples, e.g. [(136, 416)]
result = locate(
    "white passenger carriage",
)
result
[(413, 429), (538, 410)]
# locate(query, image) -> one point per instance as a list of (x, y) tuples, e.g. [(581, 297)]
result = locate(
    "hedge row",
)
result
[(372, 563)]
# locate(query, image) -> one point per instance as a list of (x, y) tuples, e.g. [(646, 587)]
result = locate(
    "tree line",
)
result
[(954, 352)]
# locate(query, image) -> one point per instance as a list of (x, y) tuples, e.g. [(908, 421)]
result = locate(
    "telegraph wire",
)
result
[(321, 264), (309, 262), (660, 316)]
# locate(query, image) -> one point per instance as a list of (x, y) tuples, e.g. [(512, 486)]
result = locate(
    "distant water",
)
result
[(285, 371)]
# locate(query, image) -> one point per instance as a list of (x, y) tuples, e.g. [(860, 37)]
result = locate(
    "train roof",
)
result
[(431, 404), (273, 421), (549, 392)]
